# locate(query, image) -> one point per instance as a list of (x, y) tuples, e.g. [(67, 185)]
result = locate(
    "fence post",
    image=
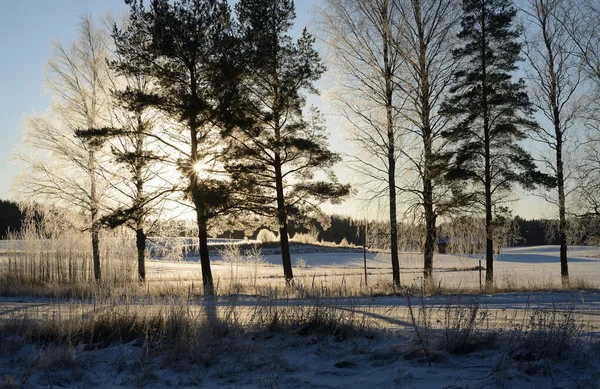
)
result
[(365, 253), (480, 285)]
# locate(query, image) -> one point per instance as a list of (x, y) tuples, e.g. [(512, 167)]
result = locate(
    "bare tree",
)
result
[(584, 29), (363, 36), (427, 31), (554, 73), (62, 162)]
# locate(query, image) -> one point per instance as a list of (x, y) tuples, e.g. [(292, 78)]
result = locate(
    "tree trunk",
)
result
[(96, 251), (140, 242), (560, 176), (430, 240), (207, 279), (94, 216), (391, 147), (427, 133), (199, 202), (489, 242), (140, 235), (562, 219), (282, 219), (394, 232)]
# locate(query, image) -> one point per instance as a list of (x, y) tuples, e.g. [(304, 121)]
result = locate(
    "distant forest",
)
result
[(10, 217), (532, 232)]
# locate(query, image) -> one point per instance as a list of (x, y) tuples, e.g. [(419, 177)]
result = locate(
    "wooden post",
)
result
[(365, 253), (480, 285)]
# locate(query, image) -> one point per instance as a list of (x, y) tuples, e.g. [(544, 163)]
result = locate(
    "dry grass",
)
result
[(187, 326), (60, 265), (308, 238), (65, 258)]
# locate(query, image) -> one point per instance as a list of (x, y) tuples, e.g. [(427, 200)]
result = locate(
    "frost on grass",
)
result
[(318, 344)]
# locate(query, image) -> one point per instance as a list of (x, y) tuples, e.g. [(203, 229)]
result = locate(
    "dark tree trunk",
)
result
[(425, 108), (282, 219), (393, 219), (199, 203), (140, 242), (94, 216), (96, 251), (562, 218), (489, 242), (140, 235), (560, 176), (207, 278), (389, 95), (430, 240)]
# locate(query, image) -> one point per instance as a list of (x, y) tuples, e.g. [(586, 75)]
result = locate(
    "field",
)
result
[(328, 330)]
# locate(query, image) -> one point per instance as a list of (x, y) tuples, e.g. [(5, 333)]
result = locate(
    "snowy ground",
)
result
[(295, 360), (526, 268), (551, 341)]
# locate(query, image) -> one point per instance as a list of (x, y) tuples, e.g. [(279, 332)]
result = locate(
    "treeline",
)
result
[(11, 217), (536, 232), (530, 232)]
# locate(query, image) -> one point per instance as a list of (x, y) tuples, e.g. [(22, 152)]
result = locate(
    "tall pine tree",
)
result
[(276, 152), (491, 112), (180, 45)]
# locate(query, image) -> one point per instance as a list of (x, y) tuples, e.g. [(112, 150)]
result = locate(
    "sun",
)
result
[(199, 167)]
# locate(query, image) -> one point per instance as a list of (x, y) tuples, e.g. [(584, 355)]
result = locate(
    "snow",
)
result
[(388, 355), (527, 267)]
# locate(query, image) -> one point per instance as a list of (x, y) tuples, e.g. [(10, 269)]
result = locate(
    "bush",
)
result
[(305, 238), (266, 236), (550, 333), (300, 263)]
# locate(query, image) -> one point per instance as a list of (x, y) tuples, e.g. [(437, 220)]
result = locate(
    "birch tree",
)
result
[(427, 35), (63, 159), (363, 36), (554, 73)]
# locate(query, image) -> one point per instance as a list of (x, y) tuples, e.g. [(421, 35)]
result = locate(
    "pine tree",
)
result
[(276, 152), (491, 112), (180, 46), (140, 178)]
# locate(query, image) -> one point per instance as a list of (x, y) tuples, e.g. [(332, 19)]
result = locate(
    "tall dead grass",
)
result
[(37, 256)]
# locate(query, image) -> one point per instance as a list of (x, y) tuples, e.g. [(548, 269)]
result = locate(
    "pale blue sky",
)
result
[(27, 30)]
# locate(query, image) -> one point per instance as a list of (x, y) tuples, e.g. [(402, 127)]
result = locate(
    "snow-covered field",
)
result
[(546, 339), (525, 268)]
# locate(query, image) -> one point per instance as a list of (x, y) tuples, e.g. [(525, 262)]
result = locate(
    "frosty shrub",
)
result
[(243, 265), (254, 256), (300, 263), (266, 236), (231, 253), (549, 333), (308, 238)]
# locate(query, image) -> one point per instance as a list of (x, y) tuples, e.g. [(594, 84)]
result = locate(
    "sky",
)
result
[(29, 27)]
